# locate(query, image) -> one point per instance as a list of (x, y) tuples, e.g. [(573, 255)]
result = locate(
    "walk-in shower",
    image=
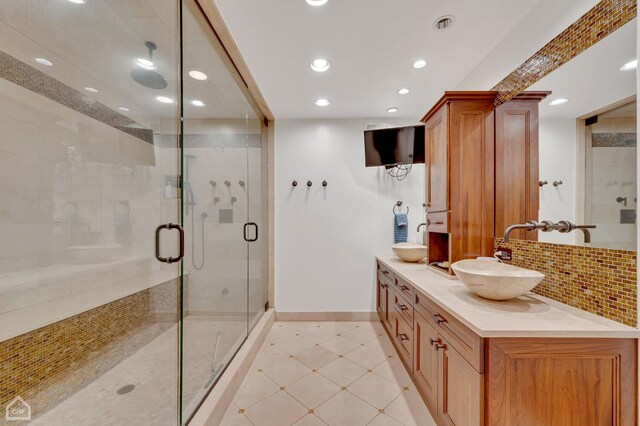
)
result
[(109, 146)]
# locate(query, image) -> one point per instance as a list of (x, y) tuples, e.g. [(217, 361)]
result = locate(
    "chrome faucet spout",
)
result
[(528, 226), (562, 226)]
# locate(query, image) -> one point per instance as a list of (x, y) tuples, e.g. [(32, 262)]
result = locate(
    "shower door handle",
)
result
[(180, 232), (246, 227)]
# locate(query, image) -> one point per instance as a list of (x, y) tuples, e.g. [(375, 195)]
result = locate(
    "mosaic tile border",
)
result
[(603, 19), (614, 140), (30, 78), (48, 365), (597, 280)]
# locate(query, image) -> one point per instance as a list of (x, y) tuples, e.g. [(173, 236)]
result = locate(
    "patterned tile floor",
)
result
[(327, 373)]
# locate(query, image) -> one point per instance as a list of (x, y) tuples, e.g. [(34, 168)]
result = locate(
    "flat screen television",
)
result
[(393, 146)]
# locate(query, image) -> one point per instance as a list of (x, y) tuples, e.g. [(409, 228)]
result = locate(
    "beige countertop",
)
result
[(530, 315)]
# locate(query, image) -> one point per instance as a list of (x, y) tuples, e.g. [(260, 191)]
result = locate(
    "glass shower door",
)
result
[(219, 128)]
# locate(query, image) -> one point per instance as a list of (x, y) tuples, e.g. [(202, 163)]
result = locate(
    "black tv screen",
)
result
[(390, 147)]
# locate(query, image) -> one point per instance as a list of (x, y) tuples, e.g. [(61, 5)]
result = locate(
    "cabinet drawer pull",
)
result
[(403, 336), (434, 341), (438, 318), (439, 346), (402, 307), (385, 272), (384, 285), (404, 288)]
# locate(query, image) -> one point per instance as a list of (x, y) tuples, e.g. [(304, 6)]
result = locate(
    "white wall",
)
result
[(326, 239), (557, 146)]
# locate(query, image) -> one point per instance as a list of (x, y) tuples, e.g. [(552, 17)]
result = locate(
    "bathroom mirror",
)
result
[(587, 143)]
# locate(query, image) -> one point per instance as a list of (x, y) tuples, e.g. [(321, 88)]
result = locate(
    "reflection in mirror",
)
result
[(587, 143)]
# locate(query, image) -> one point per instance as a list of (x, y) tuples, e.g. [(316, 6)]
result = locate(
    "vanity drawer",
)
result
[(465, 341), (403, 337), (385, 274), (403, 308), (438, 222), (405, 289)]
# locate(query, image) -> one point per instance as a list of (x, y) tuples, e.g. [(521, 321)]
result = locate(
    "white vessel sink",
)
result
[(494, 280), (410, 252)]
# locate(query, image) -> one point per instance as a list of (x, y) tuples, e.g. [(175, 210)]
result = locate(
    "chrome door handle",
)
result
[(170, 226)]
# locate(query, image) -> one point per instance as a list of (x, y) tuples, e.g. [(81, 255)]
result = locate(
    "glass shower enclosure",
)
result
[(131, 179)]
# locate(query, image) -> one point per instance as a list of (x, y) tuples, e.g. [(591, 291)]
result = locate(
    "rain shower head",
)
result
[(148, 77)]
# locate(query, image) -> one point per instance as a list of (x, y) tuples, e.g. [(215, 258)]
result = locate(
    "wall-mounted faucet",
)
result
[(563, 227), (424, 234)]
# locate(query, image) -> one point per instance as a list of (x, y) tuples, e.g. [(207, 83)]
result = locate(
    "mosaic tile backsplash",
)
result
[(597, 280), (48, 365), (603, 19)]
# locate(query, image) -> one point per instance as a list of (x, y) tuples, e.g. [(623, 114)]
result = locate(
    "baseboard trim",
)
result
[(326, 316), (218, 401)]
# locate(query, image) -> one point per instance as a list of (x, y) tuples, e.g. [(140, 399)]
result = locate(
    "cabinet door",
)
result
[(383, 303), (380, 301), (573, 382), (437, 164), (425, 360), (461, 389), (517, 190)]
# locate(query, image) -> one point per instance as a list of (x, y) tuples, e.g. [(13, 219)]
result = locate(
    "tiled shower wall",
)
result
[(597, 280)]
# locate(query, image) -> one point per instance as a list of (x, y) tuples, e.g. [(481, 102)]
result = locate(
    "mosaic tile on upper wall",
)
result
[(600, 21)]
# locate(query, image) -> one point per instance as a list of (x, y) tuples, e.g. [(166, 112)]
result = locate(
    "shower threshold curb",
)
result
[(221, 396)]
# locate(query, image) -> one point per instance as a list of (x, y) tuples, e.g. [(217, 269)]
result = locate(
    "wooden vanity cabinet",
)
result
[(559, 381), (467, 380)]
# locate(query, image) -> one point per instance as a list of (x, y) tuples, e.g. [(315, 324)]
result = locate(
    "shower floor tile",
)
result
[(153, 371), (329, 383)]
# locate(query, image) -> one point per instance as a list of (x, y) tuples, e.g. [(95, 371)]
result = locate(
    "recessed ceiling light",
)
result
[(420, 63), (322, 102), (164, 99), (320, 65), (558, 101), (44, 61), (629, 66), (125, 109), (316, 2), (197, 75), (91, 89), (392, 109), (198, 103), (403, 91), (145, 63), (444, 22), (78, 1)]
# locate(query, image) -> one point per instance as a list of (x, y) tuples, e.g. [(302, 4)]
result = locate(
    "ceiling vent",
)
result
[(443, 22)]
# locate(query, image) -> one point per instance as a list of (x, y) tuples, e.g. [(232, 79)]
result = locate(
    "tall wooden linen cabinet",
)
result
[(481, 172)]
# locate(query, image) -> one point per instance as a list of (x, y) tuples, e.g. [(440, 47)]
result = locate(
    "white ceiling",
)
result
[(371, 44), (593, 80), (95, 44)]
